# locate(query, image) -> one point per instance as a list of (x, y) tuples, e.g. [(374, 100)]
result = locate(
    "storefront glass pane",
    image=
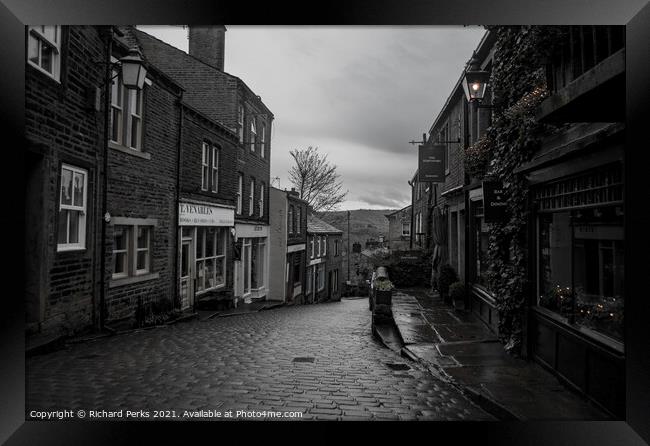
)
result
[(210, 248), (200, 238), (200, 275), (210, 280), (260, 263), (555, 263), (219, 271), (221, 241), (598, 270), (254, 264)]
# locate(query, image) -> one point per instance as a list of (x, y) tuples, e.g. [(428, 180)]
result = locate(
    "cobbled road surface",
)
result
[(248, 362)]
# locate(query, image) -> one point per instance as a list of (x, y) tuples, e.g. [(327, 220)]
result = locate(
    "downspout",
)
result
[(179, 234), (107, 90)]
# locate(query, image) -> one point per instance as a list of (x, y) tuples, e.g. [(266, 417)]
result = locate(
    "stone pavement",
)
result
[(319, 360), (467, 354)]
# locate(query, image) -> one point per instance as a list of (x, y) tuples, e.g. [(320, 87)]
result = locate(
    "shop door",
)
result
[(187, 274), (290, 281)]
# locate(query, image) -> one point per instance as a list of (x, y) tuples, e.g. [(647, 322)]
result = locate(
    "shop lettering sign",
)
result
[(202, 215), (431, 163), (494, 201)]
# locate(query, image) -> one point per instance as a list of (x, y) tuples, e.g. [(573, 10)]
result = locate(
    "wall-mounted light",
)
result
[(475, 81)]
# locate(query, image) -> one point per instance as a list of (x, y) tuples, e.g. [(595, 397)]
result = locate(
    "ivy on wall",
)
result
[(519, 86)]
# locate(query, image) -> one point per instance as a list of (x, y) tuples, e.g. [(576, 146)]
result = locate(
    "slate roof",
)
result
[(317, 226), (207, 89)]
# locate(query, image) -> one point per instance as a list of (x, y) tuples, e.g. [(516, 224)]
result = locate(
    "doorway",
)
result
[(187, 274)]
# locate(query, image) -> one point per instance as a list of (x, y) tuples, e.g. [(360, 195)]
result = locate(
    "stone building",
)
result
[(64, 163), (399, 229), (226, 101), (324, 277), (288, 240)]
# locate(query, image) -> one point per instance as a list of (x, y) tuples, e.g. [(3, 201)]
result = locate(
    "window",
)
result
[(72, 208), (335, 281), (263, 141), (290, 220), (311, 247), (126, 128), (131, 250), (253, 133), (406, 229), (215, 169), (210, 258), (580, 251), (261, 200), (246, 261), (320, 276), (481, 233), (310, 279), (257, 263), (240, 122), (318, 246), (324, 245), (44, 49), (298, 219), (296, 271), (205, 166), (337, 247), (240, 193), (251, 198)]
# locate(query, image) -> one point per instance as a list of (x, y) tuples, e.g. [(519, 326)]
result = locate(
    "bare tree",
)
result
[(316, 179)]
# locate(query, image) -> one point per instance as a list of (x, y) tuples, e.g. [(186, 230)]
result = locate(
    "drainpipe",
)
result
[(107, 90), (176, 211)]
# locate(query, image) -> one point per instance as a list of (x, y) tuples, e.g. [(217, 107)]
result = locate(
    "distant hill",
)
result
[(364, 224)]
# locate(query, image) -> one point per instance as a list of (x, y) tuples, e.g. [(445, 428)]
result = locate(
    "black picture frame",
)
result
[(635, 14)]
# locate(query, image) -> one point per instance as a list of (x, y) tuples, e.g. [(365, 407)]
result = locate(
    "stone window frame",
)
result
[(124, 109), (82, 209), (41, 37), (133, 275)]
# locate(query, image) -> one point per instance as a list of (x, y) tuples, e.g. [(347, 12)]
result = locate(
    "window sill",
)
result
[(131, 280), (207, 290), (70, 249), (46, 73), (129, 151)]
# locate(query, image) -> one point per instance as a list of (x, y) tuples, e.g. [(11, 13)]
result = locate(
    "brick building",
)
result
[(399, 229), (324, 261), (288, 240), (226, 100), (64, 161)]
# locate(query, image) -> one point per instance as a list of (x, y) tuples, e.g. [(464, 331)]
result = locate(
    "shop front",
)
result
[(203, 251), (251, 270)]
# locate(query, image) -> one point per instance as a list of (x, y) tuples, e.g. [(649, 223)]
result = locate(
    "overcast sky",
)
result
[(359, 94)]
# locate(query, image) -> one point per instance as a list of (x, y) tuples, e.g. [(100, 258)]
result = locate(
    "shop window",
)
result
[(131, 250), (581, 267), (44, 49), (320, 276), (258, 247), (480, 239), (246, 262), (210, 258), (296, 272), (72, 208), (310, 278)]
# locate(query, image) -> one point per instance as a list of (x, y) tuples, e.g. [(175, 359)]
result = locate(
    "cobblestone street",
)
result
[(320, 360)]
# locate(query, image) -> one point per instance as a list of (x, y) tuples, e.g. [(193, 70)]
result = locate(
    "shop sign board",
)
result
[(431, 163), (494, 201), (190, 214)]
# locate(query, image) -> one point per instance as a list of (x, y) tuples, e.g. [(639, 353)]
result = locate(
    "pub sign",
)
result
[(431, 163), (494, 201)]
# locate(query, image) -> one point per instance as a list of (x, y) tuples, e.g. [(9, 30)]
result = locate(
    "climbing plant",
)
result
[(519, 86)]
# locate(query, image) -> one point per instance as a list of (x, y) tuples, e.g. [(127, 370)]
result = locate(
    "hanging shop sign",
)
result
[(494, 201), (431, 163), (202, 215)]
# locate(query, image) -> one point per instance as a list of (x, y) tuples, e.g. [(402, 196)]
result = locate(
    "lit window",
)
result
[(44, 49), (72, 208)]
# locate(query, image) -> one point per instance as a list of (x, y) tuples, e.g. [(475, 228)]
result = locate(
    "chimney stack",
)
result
[(207, 43), (294, 192)]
